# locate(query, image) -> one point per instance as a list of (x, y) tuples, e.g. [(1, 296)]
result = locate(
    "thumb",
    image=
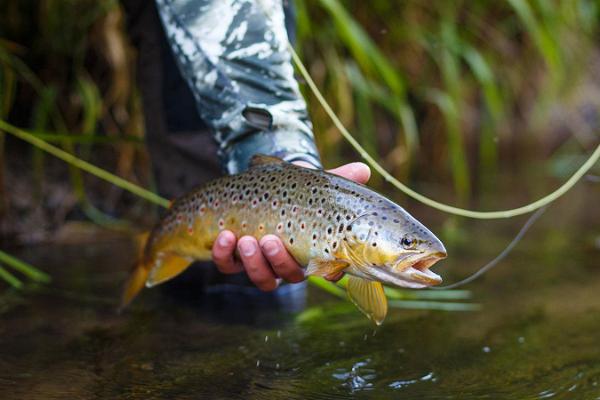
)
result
[(356, 171)]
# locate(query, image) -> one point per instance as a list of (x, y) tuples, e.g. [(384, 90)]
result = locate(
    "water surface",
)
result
[(537, 334)]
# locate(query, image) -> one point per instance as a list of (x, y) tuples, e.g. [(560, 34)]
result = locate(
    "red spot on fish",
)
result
[(221, 223), (190, 230), (261, 227)]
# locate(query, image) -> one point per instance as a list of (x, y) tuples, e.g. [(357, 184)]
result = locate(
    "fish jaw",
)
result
[(420, 271), (411, 272)]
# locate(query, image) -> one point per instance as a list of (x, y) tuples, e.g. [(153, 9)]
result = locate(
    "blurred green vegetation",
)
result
[(447, 90), (67, 75), (451, 92)]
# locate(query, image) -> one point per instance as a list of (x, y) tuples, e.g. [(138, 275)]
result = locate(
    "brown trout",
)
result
[(327, 223)]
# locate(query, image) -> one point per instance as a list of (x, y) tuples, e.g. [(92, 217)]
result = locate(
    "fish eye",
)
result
[(408, 241)]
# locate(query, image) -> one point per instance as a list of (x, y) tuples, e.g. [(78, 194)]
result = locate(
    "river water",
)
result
[(535, 335)]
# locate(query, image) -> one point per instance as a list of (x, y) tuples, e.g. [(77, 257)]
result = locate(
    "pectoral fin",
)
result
[(325, 268), (369, 297), (168, 266)]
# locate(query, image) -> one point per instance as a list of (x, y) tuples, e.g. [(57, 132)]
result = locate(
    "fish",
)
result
[(329, 224)]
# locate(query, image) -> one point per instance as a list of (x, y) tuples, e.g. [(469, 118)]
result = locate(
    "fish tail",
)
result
[(135, 283), (138, 275)]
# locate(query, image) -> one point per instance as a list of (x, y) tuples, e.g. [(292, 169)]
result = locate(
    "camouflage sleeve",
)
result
[(233, 54)]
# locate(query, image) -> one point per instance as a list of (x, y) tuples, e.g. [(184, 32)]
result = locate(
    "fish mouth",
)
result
[(420, 271), (414, 271)]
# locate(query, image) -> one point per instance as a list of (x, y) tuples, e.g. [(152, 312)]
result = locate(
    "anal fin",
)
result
[(168, 266), (369, 297)]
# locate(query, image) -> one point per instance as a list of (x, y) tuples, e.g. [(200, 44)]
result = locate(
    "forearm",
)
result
[(235, 59)]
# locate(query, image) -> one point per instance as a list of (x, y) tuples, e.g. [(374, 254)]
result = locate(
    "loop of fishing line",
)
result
[(544, 201)]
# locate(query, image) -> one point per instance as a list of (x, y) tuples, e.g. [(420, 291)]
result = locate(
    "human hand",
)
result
[(266, 261)]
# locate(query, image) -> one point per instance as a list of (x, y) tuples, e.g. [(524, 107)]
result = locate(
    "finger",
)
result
[(357, 171), (223, 251), (257, 268), (281, 261)]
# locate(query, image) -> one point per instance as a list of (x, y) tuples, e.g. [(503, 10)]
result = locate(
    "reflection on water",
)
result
[(535, 336)]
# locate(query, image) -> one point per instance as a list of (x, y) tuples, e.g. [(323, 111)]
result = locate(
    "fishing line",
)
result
[(544, 201), (500, 256)]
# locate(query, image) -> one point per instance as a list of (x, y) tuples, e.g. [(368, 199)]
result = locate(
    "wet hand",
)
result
[(267, 261)]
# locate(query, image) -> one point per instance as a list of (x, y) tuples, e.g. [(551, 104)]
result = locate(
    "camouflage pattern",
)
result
[(233, 55)]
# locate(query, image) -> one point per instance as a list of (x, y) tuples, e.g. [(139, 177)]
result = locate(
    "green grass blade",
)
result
[(434, 305), (24, 268), (84, 165), (396, 105), (546, 43), (399, 294), (327, 286), (362, 47), (54, 137), (10, 278)]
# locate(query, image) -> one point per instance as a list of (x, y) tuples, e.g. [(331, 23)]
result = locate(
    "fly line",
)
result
[(544, 201)]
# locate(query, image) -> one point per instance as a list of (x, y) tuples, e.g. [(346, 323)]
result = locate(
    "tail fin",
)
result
[(134, 284), (150, 274), (139, 274)]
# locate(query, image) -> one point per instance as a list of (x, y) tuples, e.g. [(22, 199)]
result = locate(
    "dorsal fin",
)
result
[(261, 159)]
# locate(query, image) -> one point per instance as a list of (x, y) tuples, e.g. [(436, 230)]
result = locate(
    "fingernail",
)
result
[(247, 248), (225, 241), (270, 247)]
